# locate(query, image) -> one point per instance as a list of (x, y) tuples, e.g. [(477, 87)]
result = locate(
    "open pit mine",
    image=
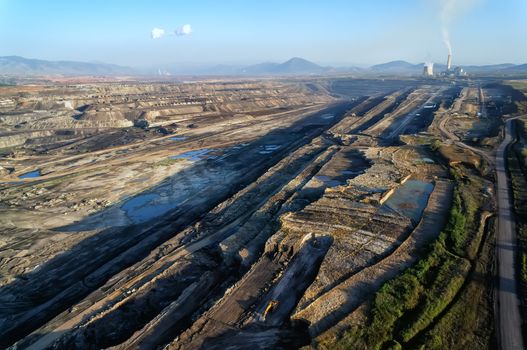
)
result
[(254, 214)]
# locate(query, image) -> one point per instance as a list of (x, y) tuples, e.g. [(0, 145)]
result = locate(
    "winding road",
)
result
[(509, 319), (508, 316)]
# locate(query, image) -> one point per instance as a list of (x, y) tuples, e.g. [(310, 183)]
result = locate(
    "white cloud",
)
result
[(186, 29), (157, 33)]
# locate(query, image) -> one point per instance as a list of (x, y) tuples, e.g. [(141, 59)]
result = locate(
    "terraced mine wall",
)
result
[(121, 249), (277, 241)]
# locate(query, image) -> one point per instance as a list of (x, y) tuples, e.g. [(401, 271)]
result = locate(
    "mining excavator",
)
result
[(270, 308)]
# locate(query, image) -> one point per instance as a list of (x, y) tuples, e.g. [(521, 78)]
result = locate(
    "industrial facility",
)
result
[(453, 72), (428, 69)]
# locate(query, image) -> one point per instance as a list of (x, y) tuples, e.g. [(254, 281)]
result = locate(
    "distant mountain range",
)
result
[(294, 66), (397, 67), (300, 66), (15, 65)]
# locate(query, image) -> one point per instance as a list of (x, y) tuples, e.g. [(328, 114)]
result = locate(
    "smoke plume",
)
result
[(448, 11), (446, 39)]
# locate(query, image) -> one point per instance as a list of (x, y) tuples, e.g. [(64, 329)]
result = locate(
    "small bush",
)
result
[(407, 304), (435, 145)]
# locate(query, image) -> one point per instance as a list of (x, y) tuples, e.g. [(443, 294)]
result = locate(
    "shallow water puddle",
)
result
[(193, 156), (177, 138), (31, 174), (410, 199)]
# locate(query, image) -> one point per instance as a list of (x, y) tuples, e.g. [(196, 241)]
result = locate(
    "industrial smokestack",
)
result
[(449, 62)]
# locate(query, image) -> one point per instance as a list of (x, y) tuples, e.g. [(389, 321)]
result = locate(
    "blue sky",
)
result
[(242, 32)]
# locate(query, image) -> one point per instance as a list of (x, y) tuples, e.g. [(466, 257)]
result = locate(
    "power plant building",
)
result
[(428, 70)]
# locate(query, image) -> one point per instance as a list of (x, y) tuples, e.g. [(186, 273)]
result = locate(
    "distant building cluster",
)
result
[(428, 70)]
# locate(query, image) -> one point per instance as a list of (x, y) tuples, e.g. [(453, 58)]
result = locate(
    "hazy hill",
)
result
[(397, 67), (17, 65), (521, 68), (295, 65)]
